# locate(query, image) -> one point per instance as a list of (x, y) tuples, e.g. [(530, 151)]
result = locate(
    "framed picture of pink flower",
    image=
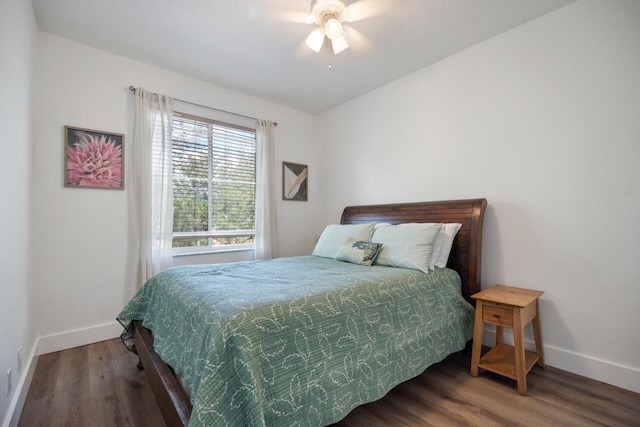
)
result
[(93, 159)]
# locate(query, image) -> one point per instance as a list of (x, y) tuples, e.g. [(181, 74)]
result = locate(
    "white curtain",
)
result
[(150, 195), (266, 228)]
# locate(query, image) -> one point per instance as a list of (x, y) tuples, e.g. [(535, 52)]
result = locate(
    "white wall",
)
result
[(17, 50), (81, 241), (543, 121)]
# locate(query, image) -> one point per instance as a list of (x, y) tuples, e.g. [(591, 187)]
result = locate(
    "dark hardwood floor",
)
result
[(99, 385)]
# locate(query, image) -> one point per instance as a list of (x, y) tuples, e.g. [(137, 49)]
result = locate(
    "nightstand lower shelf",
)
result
[(501, 360)]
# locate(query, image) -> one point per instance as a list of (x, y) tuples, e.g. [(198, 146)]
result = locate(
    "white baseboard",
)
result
[(20, 396), (78, 337), (597, 369)]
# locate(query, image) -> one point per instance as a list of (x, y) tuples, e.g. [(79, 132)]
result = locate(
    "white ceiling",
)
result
[(257, 47)]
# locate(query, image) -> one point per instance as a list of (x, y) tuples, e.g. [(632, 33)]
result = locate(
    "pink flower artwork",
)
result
[(94, 160)]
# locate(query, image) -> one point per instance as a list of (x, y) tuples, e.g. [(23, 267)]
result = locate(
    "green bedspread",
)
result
[(297, 341)]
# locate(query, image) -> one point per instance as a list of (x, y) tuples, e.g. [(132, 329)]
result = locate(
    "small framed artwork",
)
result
[(295, 182), (93, 159)]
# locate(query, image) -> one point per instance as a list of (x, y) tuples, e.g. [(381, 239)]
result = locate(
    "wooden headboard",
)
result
[(466, 254)]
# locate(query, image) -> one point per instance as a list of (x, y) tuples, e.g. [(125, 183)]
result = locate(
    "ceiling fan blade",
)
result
[(280, 15), (293, 16), (356, 39), (366, 9)]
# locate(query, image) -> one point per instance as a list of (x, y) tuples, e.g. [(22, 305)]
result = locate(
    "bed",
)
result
[(307, 354)]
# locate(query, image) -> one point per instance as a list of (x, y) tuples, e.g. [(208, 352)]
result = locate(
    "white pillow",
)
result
[(450, 231), (437, 247), (335, 236), (406, 245)]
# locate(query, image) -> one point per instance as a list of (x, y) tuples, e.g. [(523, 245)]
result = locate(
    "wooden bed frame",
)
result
[(465, 258)]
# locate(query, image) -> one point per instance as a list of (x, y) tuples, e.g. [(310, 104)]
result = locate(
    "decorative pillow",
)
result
[(335, 236), (363, 253), (450, 231), (406, 245)]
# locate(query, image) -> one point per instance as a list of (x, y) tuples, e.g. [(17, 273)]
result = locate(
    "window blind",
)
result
[(213, 182)]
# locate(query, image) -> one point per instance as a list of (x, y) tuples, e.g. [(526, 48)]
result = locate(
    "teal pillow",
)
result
[(406, 245), (363, 253), (335, 236)]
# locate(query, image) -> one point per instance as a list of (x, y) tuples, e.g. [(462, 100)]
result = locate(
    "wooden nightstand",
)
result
[(507, 307)]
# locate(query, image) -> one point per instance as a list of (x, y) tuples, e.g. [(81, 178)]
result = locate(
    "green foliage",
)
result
[(213, 185)]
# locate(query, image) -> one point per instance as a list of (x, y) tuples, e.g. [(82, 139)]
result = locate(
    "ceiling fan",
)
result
[(329, 15), (333, 17)]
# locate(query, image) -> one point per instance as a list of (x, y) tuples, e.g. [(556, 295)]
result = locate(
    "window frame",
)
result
[(197, 250)]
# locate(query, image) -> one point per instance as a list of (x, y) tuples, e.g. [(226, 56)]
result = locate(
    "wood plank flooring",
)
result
[(99, 385)]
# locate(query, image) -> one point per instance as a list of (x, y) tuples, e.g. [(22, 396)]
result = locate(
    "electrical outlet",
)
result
[(8, 382), (19, 358)]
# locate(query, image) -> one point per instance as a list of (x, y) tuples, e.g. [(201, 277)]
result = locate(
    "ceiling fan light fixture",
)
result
[(315, 40), (329, 16), (339, 44), (320, 8), (332, 27)]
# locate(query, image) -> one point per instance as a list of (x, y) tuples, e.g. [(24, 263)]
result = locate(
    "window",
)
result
[(214, 184)]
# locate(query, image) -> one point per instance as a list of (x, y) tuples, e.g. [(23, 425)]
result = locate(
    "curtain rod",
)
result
[(133, 89)]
